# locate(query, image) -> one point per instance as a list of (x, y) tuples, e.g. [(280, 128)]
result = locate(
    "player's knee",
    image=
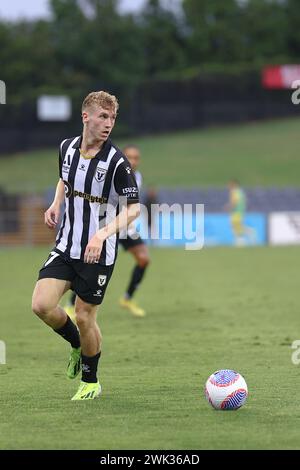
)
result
[(143, 260), (39, 307), (82, 319)]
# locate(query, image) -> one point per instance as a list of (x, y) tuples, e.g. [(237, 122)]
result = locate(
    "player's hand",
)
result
[(93, 250), (51, 216)]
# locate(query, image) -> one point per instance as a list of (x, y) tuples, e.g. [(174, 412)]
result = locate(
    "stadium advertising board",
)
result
[(187, 228), (218, 230), (54, 108), (280, 76), (284, 228)]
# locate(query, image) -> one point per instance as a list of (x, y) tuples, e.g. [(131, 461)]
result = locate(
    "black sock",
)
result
[(89, 368), (70, 333), (136, 277)]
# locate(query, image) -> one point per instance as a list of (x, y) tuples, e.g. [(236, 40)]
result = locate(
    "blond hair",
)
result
[(100, 98)]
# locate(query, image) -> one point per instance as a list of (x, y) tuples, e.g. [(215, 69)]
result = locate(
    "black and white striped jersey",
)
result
[(93, 188), (131, 230), (139, 179)]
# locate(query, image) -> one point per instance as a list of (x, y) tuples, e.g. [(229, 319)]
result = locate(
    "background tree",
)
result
[(164, 43)]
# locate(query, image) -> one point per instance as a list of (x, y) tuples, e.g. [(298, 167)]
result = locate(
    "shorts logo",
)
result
[(102, 280), (100, 174), (98, 293)]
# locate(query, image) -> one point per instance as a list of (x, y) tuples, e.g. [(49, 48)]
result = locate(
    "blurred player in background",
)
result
[(237, 207), (70, 306), (133, 243), (93, 176)]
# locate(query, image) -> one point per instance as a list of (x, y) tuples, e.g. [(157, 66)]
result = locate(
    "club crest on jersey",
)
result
[(102, 279), (100, 174)]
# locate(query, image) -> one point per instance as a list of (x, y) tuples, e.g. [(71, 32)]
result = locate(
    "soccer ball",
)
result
[(226, 390)]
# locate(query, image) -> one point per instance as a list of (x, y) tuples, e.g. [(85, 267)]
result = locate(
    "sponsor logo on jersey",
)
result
[(66, 164), (65, 169), (130, 190), (89, 197), (68, 189)]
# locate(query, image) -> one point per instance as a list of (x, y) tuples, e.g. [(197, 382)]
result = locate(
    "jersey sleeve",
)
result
[(60, 161), (125, 183)]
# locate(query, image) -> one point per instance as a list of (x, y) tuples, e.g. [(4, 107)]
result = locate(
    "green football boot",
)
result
[(74, 366), (87, 391)]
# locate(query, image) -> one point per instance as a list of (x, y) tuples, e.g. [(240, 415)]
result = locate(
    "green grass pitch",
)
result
[(211, 309)]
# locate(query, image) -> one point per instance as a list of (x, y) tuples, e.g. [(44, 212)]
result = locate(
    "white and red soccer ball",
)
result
[(226, 390)]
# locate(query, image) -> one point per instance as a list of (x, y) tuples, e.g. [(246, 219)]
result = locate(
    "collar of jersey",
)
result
[(87, 157), (102, 155)]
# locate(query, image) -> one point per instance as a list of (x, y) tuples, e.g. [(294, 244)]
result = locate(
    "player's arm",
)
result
[(52, 214), (126, 187), (127, 215)]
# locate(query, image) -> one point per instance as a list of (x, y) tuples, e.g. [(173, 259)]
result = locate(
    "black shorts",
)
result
[(89, 281), (128, 242)]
